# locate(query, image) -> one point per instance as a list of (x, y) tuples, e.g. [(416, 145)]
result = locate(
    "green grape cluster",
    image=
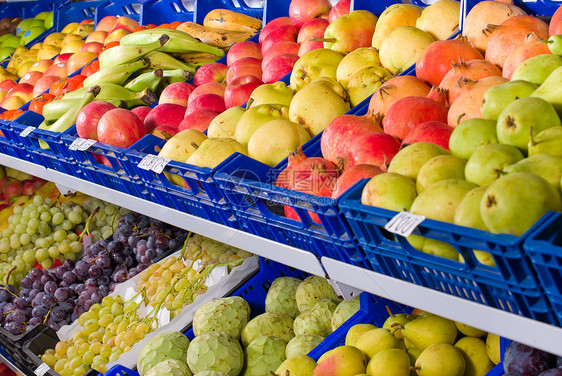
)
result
[(105, 218), (210, 251)]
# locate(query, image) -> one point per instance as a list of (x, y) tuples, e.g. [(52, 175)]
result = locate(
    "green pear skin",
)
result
[(409, 160), (546, 166), (426, 331), (355, 61), (321, 62), (551, 89), (470, 134), (468, 211), (440, 168), (548, 141), (365, 82), (475, 356), (487, 162), (224, 124), (498, 97), (375, 341), (389, 362), (389, 191), (255, 117), (440, 359), (275, 93), (537, 69)]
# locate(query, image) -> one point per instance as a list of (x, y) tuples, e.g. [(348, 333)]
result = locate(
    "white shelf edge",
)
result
[(24, 166), (517, 328), (272, 250)]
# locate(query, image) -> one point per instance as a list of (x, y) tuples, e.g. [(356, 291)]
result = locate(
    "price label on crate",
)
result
[(404, 223), (42, 369), (27, 131), (159, 164), (81, 144), (147, 162)]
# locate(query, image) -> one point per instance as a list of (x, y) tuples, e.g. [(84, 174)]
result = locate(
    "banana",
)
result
[(164, 61), (230, 20), (55, 109), (215, 37), (110, 91), (196, 57), (180, 42), (69, 118), (146, 80), (177, 75), (116, 74), (126, 54)]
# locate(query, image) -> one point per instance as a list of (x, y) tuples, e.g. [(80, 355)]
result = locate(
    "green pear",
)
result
[(426, 331), (317, 104), (355, 61), (409, 160), (402, 48), (357, 331), (484, 257), (343, 360), (224, 124), (447, 14), (213, 151), (300, 365), (394, 16), (516, 193), (375, 341), (550, 90), (365, 82), (546, 166), (321, 62), (498, 97), (485, 165), (414, 353), (524, 116), (180, 147), (548, 141), (275, 93), (493, 347), (389, 362), (537, 68), (475, 356), (440, 168), (394, 323), (468, 211), (440, 359), (441, 199), (255, 117), (470, 134), (389, 191), (350, 31), (276, 140), (470, 331), (440, 248)]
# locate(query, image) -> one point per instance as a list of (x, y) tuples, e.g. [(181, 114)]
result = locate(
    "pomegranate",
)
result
[(353, 175), (483, 14), (436, 132), (394, 89), (533, 46), (341, 135), (464, 72), (375, 149), (408, 112), (437, 59)]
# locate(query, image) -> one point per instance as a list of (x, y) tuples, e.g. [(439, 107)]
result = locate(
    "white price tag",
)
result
[(42, 369), (27, 131), (85, 145), (404, 223), (147, 162), (159, 164), (76, 144)]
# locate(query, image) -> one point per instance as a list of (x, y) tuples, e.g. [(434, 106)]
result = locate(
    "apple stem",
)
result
[(195, 145), (387, 307), (166, 135), (329, 40)]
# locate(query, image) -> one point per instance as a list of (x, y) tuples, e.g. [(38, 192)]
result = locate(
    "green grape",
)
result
[(41, 243), (80, 370), (46, 216), (121, 327), (20, 228), (61, 348), (115, 354), (105, 351), (4, 247), (91, 326), (75, 363), (30, 231), (105, 320), (15, 243), (104, 310), (76, 247), (79, 228), (49, 358), (75, 217), (46, 264), (29, 256), (67, 371), (59, 236), (100, 223), (72, 236), (44, 228), (17, 209), (59, 365), (95, 308), (67, 225), (130, 307), (98, 362), (78, 209), (38, 200), (64, 247), (48, 201), (34, 214), (41, 254), (88, 357), (17, 218), (83, 348), (7, 232), (58, 218), (95, 236), (95, 347), (110, 209), (116, 309), (53, 252)]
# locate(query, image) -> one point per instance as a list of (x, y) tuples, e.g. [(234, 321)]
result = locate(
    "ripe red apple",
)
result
[(12, 189), (126, 23), (210, 72), (62, 58), (212, 102), (43, 84), (86, 21), (164, 132), (302, 11), (120, 127), (243, 49), (141, 111), (352, 175), (89, 117), (94, 47), (22, 90), (41, 65), (165, 114), (281, 48), (436, 132), (278, 67), (12, 102), (57, 69), (106, 24), (199, 119), (310, 27), (239, 90), (309, 45), (208, 88), (375, 149), (341, 8), (244, 67), (31, 77), (31, 186), (285, 32), (273, 24), (6, 85), (96, 36), (177, 93), (78, 60)]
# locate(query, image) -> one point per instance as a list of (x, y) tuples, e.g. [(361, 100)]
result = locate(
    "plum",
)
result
[(524, 360)]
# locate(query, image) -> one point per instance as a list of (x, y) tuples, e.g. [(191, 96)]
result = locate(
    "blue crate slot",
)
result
[(165, 11), (8, 148), (544, 8), (75, 11), (202, 7), (119, 370), (510, 286), (131, 9), (25, 9)]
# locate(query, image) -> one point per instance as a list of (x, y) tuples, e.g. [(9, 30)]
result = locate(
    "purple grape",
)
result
[(50, 287), (67, 305), (81, 269), (68, 263), (96, 248), (115, 246), (39, 298), (59, 271), (24, 292), (37, 284), (88, 304), (39, 311), (96, 297), (173, 243), (20, 303), (79, 288), (120, 276), (91, 281), (79, 309), (551, 372), (117, 258), (58, 313), (103, 261), (145, 259), (49, 301), (46, 278), (151, 243), (26, 283), (104, 280), (35, 321), (35, 274), (94, 271), (104, 290), (90, 289), (133, 240), (525, 360), (63, 284), (160, 252), (19, 316), (62, 294), (14, 328), (69, 277), (33, 293), (141, 267)]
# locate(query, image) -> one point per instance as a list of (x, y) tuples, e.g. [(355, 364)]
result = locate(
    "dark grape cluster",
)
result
[(523, 360), (59, 296)]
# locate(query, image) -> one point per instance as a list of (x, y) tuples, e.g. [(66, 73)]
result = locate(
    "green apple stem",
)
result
[(387, 307), (329, 40)]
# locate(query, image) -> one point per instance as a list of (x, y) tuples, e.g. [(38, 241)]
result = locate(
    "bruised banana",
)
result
[(215, 37), (196, 57), (112, 91), (116, 74), (148, 80), (177, 75), (233, 21), (180, 42), (164, 61), (55, 109), (69, 118), (126, 54)]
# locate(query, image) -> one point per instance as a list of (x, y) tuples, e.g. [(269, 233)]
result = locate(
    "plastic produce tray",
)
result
[(202, 7), (511, 286)]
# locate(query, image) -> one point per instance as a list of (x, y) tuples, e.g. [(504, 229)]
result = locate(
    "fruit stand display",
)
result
[(408, 150)]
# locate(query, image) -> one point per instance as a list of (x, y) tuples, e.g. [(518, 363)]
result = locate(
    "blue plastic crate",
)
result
[(544, 8), (164, 11), (8, 148), (131, 9), (75, 11), (202, 7), (510, 286)]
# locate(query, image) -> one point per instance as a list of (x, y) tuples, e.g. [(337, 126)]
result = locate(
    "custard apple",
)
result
[(344, 311), (281, 296), (311, 290), (227, 315), (302, 344), (317, 320), (264, 355), (215, 351), (163, 346), (170, 367), (274, 324)]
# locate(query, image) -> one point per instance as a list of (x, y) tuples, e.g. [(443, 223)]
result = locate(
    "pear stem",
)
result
[(387, 307), (329, 40), (397, 325)]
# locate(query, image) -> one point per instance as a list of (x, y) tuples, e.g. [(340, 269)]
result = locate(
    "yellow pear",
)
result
[(300, 365), (355, 61), (36, 46), (475, 356), (414, 353), (357, 331), (7, 75), (392, 17), (402, 48), (440, 19), (224, 124), (255, 117), (69, 28), (341, 361), (83, 30), (321, 62), (440, 359), (365, 82), (47, 52), (213, 151), (23, 68), (470, 331), (389, 362), (54, 38), (70, 37), (376, 340), (425, 331), (493, 347), (180, 147)]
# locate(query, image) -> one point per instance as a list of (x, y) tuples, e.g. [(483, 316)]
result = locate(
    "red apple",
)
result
[(22, 90), (239, 90), (89, 117), (302, 11), (375, 149), (5, 180), (6, 85), (78, 60), (41, 65), (210, 72), (165, 114), (32, 185), (177, 93), (244, 67), (209, 87), (199, 119), (278, 67), (94, 47), (273, 24), (555, 25), (285, 32), (12, 189), (31, 77), (341, 8), (86, 21), (43, 84), (126, 23), (115, 36), (106, 24), (212, 102), (352, 175), (120, 127), (310, 27), (243, 49), (96, 36), (164, 132), (141, 111), (280, 48), (57, 69), (309, 45), (435, 132)]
